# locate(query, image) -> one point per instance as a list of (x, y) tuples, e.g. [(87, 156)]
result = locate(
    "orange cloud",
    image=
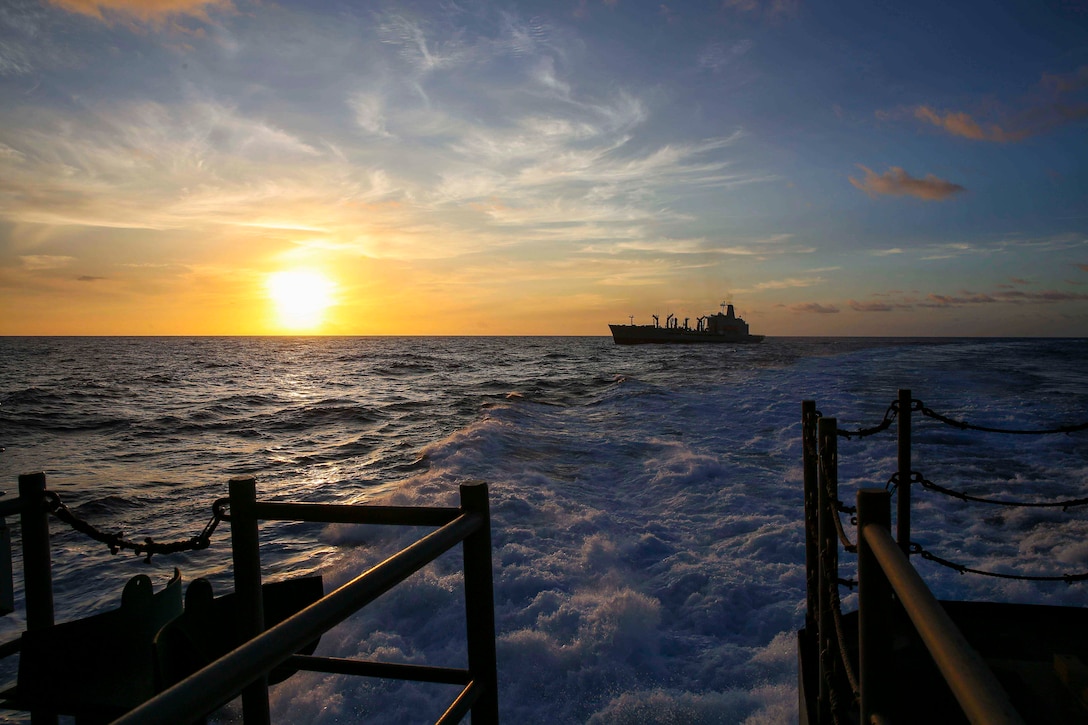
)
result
[(146, 11), (961, 124), (897, 182), (1057, 100)]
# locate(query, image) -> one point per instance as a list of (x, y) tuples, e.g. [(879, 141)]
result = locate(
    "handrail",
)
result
[(244, 671), (885, 576), (220, 681), (975, 687)]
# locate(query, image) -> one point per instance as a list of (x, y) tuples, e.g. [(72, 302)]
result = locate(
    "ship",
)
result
[(722, 327)]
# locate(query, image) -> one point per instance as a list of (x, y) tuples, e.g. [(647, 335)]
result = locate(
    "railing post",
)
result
[(247, 587), (812, 562), (37, 567), (827, 643), (902, 491), (480, 607), (874, 608), (37, 564)]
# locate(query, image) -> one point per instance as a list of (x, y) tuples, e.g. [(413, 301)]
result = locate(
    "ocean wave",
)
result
[(646, 504)]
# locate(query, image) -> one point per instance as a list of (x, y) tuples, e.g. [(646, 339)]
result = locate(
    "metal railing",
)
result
[(245, 669), (884, 571), (888, 577)]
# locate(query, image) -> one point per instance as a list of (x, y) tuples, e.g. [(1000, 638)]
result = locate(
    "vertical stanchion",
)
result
[(247, 587), (828, 445), (874, 608), (809, 458), (902, 491), (37, 567), (480, 607)]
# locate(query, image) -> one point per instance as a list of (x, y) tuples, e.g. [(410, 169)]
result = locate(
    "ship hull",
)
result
[(651, 335)]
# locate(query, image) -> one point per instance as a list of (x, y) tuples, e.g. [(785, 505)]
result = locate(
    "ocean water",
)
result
[(646, 501)]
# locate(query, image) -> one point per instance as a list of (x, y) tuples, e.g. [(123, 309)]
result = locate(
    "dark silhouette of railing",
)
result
[(883, 570), (857, 661), (245, 669)]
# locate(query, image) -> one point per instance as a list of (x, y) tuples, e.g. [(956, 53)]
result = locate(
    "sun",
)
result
[(301, 298)]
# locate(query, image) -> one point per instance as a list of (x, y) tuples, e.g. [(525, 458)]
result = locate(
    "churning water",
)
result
[(646, 501)]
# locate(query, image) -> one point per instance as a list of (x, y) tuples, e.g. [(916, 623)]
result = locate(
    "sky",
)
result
[(222, 167)]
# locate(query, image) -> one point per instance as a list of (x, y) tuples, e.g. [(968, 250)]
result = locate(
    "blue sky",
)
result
[(847, 168)]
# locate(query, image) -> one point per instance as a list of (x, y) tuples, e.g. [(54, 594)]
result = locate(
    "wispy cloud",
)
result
[(416, 48), (369, 113), (143, 11), (757, 249), (897, 182), (147, 165), (45, 261), (716, 57), (562, 173), (790, 283)]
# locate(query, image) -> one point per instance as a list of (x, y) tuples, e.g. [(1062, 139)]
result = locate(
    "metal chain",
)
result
[(916, 548), (917, 477), (963, 425), (844, 652), (149, 547), (839, 643), (917, 405), (889, 418), (843, 538)]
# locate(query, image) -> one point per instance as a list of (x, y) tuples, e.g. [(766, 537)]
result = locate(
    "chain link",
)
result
[(149, 547), (917, 477), (963, 425), (918, 406), (916, 548), (889, 418)]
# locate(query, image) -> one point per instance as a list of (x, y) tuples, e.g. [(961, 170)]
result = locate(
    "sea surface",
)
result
[(646, 501)]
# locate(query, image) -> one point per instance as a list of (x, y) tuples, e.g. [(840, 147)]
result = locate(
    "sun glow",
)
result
[(301, 298)]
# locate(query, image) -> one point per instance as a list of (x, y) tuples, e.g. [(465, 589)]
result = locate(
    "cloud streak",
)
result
[(967, 298), (961, 124), (403, 168), (155, 12), (897, 182)]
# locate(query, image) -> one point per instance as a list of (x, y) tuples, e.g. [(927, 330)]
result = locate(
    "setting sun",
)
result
[(301, 298)]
